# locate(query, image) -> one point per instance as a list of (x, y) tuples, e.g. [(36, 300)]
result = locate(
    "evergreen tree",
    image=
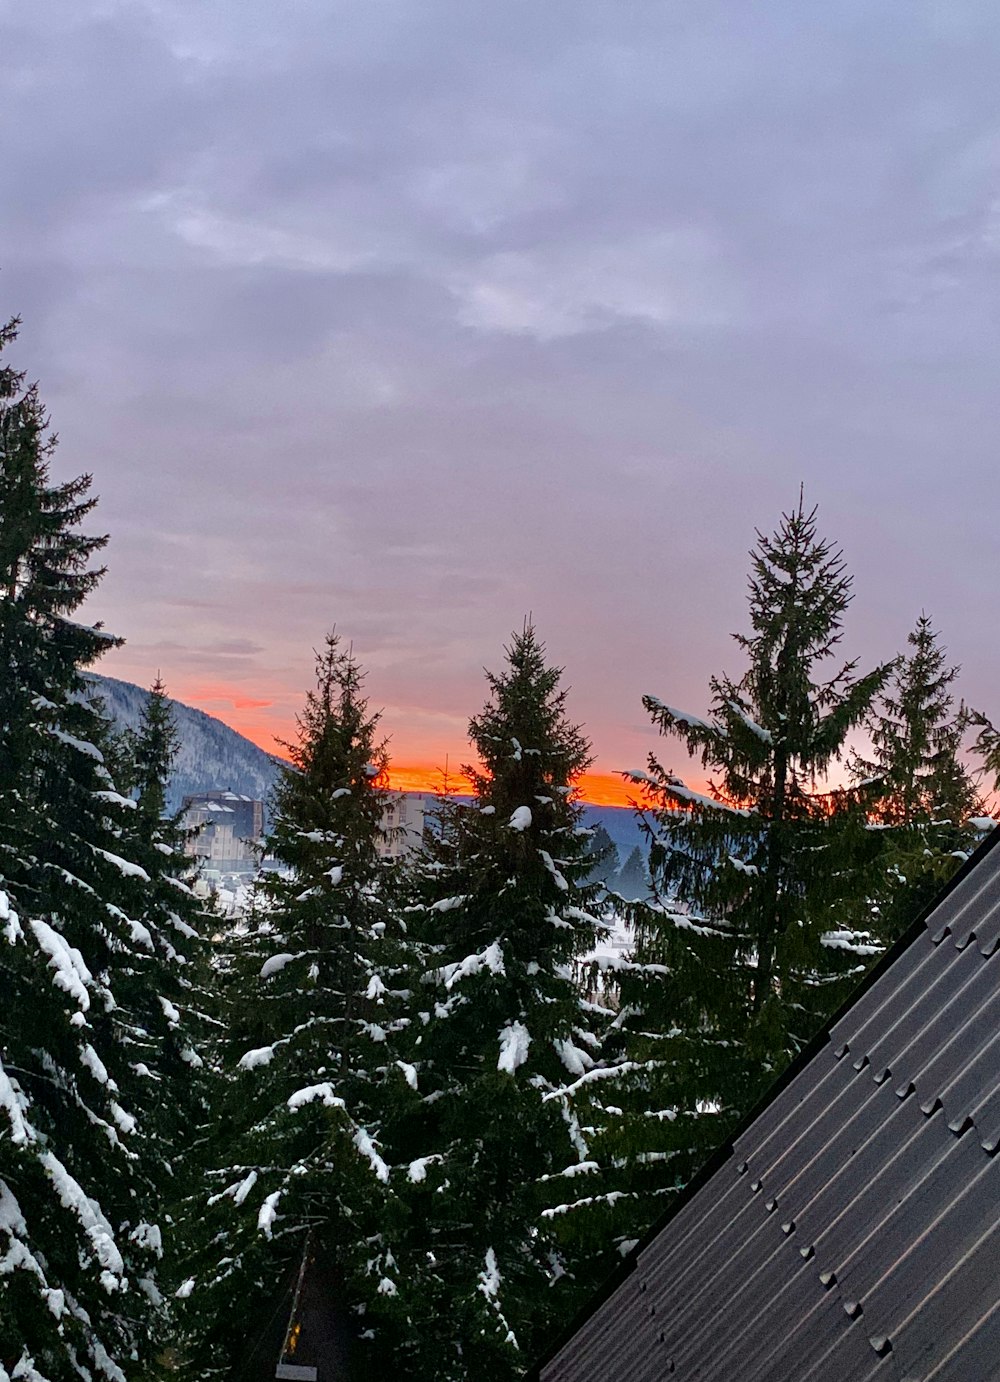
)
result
[(492, 1157), (312, 985), (602, 856), (153, 747), (632, 881), (744, 950), (174, 983), (915, 782), (79, 1237)]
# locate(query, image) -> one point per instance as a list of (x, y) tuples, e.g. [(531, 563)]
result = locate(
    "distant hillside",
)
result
[(211, 754)]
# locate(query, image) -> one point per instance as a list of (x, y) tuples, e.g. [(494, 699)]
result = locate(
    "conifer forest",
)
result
[(419, 1075)]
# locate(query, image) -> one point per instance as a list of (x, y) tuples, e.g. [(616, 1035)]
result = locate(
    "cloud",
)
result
[(412, 318), (669, 278)]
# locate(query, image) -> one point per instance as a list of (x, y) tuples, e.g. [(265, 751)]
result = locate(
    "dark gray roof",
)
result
[(852, 1229)]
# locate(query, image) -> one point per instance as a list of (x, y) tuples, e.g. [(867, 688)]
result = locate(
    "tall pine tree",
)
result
[(80, 1239), (744, 949), (312, 982), (493, 1158), (915, 783)]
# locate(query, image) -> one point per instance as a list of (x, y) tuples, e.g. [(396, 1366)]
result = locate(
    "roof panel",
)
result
[(895, 986), (914, 1014), (971, 905), (853, 1230), (796, 1106)]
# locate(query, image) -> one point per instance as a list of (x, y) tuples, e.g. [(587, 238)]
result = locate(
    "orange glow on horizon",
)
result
[(598, 789), (241, 713)]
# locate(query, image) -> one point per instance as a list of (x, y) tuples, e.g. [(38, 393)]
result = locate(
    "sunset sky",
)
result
[(414, 316)]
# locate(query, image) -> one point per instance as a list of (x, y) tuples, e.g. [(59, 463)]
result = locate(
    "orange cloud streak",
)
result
[(228, 695)]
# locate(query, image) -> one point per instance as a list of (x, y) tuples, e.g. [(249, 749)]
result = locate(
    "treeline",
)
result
[(415, 1081)]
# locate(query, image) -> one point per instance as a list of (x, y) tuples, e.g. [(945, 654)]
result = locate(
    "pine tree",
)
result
[(174, 984), (744, 949), (632, 882), (79, 1236), (500, 1039), (602, 857), (915, 783), (153, 746), (311, 1076)]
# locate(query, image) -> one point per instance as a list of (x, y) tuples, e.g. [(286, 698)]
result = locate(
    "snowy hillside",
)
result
[(211, 754)]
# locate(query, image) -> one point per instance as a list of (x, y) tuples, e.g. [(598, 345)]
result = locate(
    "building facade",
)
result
[(224, 829)]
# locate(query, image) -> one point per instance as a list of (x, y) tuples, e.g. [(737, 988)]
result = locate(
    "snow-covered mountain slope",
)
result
[(211, 754)]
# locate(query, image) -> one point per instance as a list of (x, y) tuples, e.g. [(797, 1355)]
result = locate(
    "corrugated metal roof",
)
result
[(852, 1229)]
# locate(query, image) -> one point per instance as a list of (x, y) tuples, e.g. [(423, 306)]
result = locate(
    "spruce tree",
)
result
[(174, 984), (153, 746), (632, 881), (312, 993), (744, 950), (602, 857), (493, 1158), (80, 1239), (915, 784)]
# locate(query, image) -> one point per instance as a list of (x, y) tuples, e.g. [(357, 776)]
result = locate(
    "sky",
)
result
[(414, 317)]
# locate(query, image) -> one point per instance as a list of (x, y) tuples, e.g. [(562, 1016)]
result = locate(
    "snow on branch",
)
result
[(579, 1168), (11, 924), (684, 921), (603, 1072), (15, 1105), (619, 965), (263, 1055), (560, 881), (417, 1170), (448, 904), (367, 1148), (91, 1219), (115, 799), (491, 958), (611, 1198), (849, 940), (18, 1254), (124, 866), (682, 793), (681, 717), (276, 963), (576, 1061), (260, 1055), (83, 746), (71, 973), (323, 1092), (764, 735), (514, 1042), (489, 1284), (268, 1212)]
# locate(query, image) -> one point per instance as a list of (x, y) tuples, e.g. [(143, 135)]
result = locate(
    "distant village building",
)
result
[(403, 823), (224, 829)]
